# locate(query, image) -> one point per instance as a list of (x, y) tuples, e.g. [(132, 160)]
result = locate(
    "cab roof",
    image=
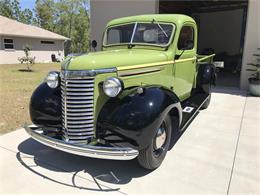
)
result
[(168, 18)]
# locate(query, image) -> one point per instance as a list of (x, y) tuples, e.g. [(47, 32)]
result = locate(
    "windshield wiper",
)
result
[(130, 45), (154, 21)]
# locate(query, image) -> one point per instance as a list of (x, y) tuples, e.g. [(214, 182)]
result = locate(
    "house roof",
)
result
[(9, 27)]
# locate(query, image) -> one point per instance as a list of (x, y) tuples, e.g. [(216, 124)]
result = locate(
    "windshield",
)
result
[(139, 33)]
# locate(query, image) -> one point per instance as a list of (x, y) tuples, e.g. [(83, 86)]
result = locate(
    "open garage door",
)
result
[(221, 27)]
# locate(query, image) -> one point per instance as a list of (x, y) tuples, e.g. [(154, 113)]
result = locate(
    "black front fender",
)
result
[(45, 106), (132, 118)]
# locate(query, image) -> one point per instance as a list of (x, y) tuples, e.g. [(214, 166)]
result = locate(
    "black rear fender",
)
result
[(206, 76)]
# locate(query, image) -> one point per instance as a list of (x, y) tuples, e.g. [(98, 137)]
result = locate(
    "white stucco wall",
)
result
[(252, 40), (103, 11), (42, 52)]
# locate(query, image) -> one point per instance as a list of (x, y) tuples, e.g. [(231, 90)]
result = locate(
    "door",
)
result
[(184, 69)]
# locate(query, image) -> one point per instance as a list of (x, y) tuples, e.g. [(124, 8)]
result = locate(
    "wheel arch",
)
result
[(206, 76), (176, 111), (133, 117)]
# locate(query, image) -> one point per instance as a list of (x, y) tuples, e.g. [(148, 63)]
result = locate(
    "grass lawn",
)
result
[(16, 88)]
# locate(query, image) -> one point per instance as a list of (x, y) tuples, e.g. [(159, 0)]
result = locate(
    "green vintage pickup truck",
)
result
[(129, 99)]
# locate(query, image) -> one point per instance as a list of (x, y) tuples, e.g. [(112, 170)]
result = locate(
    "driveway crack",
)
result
[(237, 142)]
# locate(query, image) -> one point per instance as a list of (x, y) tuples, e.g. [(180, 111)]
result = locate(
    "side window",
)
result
[(186, 39), (8, 43)]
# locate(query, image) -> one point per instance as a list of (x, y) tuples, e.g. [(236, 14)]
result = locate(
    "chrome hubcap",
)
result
[(160, 138)]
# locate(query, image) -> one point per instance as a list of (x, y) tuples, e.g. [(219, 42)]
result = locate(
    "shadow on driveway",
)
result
[(109, 171)]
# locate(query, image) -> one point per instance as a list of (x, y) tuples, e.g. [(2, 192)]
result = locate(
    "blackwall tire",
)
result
[(148, 158)]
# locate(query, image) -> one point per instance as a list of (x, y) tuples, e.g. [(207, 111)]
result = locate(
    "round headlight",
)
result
[(52, 79), (112, 87)]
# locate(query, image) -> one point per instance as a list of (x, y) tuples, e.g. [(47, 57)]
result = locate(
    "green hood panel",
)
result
[(116, 58)]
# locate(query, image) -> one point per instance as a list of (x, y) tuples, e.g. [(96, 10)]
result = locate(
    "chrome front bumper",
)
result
[(102, 152)]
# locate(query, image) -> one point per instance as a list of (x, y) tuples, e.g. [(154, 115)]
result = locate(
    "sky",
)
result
[(27, 4)]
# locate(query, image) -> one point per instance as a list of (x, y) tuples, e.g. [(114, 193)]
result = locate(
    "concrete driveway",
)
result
[(219, 153)]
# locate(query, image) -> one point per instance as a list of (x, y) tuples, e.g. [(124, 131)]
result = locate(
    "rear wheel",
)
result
[(152, 156)]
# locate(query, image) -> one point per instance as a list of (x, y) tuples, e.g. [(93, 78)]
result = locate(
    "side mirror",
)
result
[(94, 44)]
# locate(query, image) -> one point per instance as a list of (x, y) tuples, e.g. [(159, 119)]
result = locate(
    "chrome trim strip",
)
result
[(80, 85), (78, 89), (81, 122), (84, 94), (81, 126), (86, 130), (80, 114), (163, 63), (112, 153), (80, 133), (79, 110), (81, 138), (134, 72), (80, 98), (80, 102), (81, 81), (80, 106), (85, 73), (79, 118)]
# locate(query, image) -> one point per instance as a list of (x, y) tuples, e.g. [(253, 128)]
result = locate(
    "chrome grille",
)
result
[(78, 109)]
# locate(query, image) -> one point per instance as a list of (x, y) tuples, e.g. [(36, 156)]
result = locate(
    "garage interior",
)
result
[(221, 29)]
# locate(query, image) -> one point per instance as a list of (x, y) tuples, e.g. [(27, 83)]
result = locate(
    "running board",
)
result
[(190, 108)]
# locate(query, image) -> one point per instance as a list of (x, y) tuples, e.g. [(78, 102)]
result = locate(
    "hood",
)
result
[(116, 58)]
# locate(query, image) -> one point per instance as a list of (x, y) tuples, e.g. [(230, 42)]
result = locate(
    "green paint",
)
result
[(116, 58), (179, 76)]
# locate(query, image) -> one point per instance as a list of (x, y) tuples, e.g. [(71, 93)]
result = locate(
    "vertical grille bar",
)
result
[(78, 109)]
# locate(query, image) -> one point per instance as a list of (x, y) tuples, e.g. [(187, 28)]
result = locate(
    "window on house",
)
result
[(8, 43), (186, 39), (47, 42)]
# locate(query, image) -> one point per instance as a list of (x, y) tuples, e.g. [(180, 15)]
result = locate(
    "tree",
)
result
[(69, 18), (27, 58), (16, 9), (45, 12), (72, 20), (26, 16), (10, 9), (80, 41), (6, 8)]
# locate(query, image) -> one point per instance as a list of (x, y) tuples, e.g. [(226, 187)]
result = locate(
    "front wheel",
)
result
[(152, 156)]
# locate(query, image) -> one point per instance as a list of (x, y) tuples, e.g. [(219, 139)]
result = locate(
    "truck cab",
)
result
[(129, 99)]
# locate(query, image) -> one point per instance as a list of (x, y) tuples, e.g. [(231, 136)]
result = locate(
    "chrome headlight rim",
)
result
[(53, 79), (112, 91)]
